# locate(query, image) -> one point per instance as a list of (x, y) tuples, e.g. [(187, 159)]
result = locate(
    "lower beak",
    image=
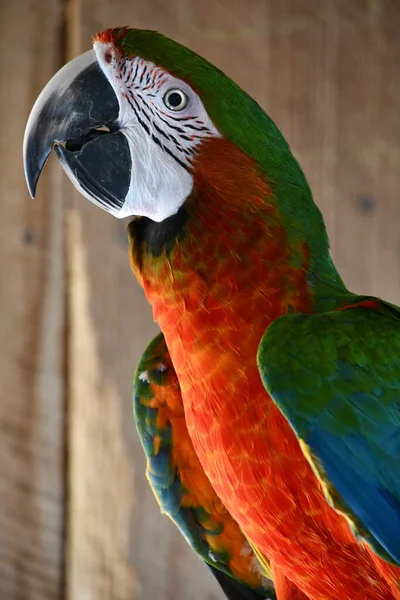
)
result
[(77, 115)]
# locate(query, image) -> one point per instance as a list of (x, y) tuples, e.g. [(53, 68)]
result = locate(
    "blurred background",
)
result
[(77, 518)]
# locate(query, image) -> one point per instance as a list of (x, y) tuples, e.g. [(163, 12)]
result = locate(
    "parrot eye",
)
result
[(175, 99)]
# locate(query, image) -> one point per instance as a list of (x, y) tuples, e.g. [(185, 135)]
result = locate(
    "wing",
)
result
[(336, 378), (180, 484)]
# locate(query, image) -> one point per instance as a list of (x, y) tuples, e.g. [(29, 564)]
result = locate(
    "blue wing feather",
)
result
[(375, 506), (336, 378)]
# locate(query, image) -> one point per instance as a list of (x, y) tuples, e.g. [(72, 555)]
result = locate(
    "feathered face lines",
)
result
[(164, 122), (166, 108)]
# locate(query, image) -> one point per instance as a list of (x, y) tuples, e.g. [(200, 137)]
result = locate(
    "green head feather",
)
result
[(241, 120)]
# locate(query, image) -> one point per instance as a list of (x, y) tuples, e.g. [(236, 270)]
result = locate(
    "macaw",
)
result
[(290, 383)]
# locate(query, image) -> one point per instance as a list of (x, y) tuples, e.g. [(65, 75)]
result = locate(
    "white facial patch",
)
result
[(164, 121)]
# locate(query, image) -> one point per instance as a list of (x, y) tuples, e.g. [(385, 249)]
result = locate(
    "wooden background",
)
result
[(77, 519)]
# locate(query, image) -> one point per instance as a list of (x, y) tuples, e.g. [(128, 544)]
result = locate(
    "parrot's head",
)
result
[(131, 119)]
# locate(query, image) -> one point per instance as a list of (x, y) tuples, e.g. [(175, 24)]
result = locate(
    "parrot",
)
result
[(192, 503), (290, 382)]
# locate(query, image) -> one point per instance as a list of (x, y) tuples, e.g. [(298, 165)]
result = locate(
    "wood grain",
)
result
[(31, 325), (334, 92), (327, 72)]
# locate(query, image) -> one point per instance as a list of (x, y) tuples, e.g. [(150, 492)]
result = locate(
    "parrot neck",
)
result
[(234, 231)]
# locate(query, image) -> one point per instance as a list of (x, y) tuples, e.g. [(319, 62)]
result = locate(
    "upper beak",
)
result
[(76, 114)]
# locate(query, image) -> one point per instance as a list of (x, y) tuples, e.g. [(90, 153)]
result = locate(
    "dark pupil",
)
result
[(174, 99)]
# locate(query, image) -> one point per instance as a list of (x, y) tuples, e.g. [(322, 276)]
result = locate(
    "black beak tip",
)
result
[(31, 181), (34, 160)]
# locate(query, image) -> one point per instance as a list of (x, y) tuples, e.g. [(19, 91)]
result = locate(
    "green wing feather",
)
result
[(336, 378)]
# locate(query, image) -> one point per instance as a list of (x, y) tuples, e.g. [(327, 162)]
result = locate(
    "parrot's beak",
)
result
[(77, 115)]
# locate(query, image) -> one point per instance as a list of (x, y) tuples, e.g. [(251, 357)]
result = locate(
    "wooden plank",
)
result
[(315, 67), (336, 99), (31, 327)]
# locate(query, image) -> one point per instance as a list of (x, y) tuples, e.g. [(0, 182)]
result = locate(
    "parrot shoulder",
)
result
[(336, 378)]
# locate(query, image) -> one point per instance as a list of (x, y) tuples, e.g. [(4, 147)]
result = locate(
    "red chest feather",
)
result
[(213, 294)]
